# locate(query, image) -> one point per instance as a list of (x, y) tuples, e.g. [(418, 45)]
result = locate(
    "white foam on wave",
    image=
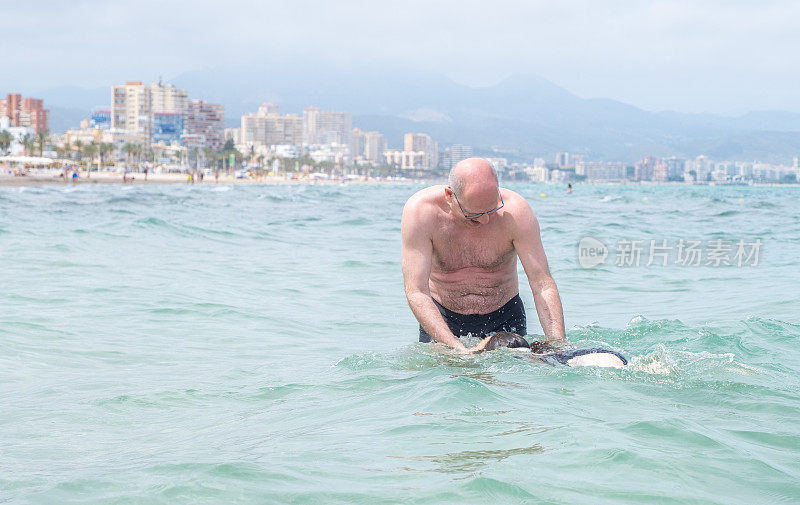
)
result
[(663, 361)]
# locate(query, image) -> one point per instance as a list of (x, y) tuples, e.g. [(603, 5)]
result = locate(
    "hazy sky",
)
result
[(693, 56)]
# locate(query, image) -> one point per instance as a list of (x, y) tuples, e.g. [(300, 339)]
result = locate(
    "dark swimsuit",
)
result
[(509, 317)]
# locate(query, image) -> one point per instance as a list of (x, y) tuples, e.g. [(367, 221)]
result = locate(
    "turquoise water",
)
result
[(252, 344)]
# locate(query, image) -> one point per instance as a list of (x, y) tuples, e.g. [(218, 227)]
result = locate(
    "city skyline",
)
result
[(683, 56), (161, 118), (522, 117)]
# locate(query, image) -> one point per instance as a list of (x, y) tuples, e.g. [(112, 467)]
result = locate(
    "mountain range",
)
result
[(520, 118)]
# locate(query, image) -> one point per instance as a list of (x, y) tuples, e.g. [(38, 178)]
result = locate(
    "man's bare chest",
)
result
[(456, 251)]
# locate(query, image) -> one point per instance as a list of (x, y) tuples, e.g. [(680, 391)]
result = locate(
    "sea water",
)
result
[(252, 344)]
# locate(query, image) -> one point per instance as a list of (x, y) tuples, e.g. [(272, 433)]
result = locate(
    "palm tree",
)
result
[(66, 149), (29, 141), (5, 141), (90, 150), (42, 139), (78, 151), (128, 149), (137, 151), (104, 149), (132, 151)]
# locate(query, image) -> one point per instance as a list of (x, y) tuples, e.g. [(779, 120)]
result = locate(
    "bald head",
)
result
[(472, 172)]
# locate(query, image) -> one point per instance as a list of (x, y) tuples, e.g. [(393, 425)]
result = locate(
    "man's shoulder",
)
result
[(514, 203), (424, 200), (419, 213), (519, 216)]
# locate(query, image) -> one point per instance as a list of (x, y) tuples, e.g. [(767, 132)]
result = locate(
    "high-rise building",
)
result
[(702, 166), (422, 143), (538, 173), (167, 128), (310, 128), (374, 146), (660, 172), (25, 112), (326, 127), (644, 168), (406, 160), (600, 171), (675, 168), (358, 141), (234, 135), (204, 125), (168, 98), (562, 160), (455, 153), (268, 128), (132, 109)]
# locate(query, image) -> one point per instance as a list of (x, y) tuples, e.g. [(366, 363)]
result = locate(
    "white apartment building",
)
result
[(233, 134), (326, 127), (406, 160), (538, 173), (454, 154), (168, 98), (132, 109), (358, 141), (268, 128), (374, 146), (422, 142), (601, 171), (367, 147)]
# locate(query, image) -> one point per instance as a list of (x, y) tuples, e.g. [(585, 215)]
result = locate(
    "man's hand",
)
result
[(471, 350), (477, 349)]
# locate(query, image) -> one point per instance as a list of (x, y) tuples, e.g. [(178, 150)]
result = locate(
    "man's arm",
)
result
[(528, 244), (417, 252)]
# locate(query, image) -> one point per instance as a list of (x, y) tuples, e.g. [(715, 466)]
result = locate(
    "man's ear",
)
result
[(448, 192)]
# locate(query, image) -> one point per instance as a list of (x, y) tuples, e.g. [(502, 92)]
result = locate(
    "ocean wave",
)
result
[(185, 230)]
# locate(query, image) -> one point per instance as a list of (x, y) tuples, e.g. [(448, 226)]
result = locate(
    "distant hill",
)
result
[(521, 117)]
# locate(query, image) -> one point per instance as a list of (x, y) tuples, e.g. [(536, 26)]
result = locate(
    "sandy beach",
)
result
[(43, 177)]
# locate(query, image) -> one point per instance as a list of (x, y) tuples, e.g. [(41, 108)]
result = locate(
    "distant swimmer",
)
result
[(548, 353), (569, 188), (460, 245)]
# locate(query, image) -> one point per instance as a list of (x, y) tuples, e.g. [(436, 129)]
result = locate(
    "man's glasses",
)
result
[(478, 214)]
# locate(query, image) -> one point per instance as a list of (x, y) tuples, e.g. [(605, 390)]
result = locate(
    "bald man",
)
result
[(459, 258)]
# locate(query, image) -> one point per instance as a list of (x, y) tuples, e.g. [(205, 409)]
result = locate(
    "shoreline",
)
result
[(105, 178), (137, 179)]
